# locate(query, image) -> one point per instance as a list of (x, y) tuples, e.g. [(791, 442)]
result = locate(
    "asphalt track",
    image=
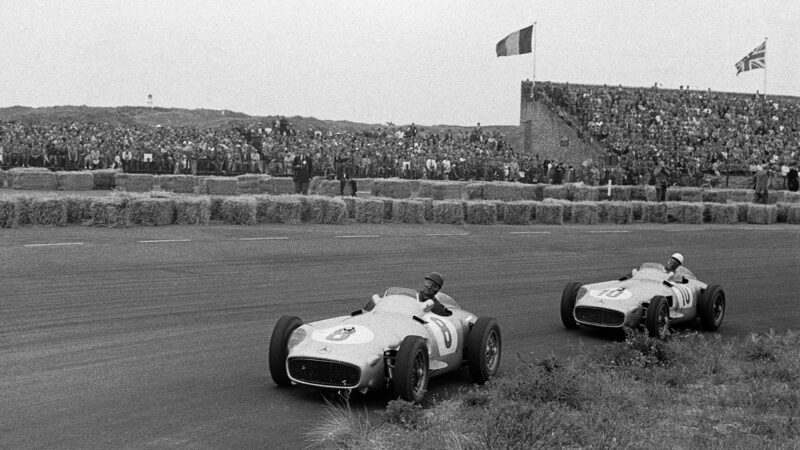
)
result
[(157, 337)]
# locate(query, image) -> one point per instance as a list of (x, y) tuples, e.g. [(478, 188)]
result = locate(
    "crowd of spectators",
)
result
[(694, 133)]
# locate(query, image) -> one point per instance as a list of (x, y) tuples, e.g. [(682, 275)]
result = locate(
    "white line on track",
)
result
[(271, 238), (158, 241), (446, 234), (54, 244), (609, 231), (354, 236), (763, 229), (528, 232), (684, 230)]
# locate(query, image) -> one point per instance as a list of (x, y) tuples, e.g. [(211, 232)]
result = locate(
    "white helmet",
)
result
[(677, 257)]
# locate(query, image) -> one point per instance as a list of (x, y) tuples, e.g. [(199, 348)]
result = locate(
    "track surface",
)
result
[(157, 337)]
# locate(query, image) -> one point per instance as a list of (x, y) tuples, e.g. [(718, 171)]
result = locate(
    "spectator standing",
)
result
[(761, 183), (792, 183), (302, 168), (661, 176)]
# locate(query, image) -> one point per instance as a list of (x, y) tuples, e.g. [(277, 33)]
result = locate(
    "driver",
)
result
[(675, 261), (433, 282)]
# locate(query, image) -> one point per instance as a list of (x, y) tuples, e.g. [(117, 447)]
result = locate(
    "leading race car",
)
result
[(650, 296), (394, 342)]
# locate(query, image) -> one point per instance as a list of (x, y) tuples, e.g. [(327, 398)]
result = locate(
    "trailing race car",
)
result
[(650, 296), (394, 342)]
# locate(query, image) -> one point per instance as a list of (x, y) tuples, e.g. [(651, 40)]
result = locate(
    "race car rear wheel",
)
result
[(568, 304), (279, 349), (658, 317), (711, 308), (411, 369), (484, 346)]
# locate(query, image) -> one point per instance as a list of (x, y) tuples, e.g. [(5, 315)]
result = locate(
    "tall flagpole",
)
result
[(534, 54), (765, 68)]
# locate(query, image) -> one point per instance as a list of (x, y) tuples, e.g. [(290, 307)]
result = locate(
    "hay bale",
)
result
[(238, 210), (74, 181), (192, 210), (134, 182), (369, 210), (279, 209), (391, 188), (215, 207), (277, 185), (793, 214), (110, 212), (104, 179), (615, 212), (783, 212), (428, 208), (685, 212), (448, 211), (408, 211), (639, 210), (691, 194), (474, 191), (645, 193), (351, 206), (762, 214), (556, 191), (321, 186), (720, 213), (221, 185), (619, 193), (184, 184), (741, 212), (740, 195), (791, 197), (715, 195), (33, 179), (518, 213), (510, 192), (324, 210), (584, 193), (481, 213), (79, 208), (441, 190), (549, 213), (655, 212), (500, 209), (2, 178), (674, 194), (152, 211), (10, 212), (249, 184), (585, 213)]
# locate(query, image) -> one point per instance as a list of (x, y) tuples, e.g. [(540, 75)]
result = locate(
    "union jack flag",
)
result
[(757, 59)]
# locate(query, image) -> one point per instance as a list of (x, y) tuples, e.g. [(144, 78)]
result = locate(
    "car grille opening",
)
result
[(599, 316), (324, 372)]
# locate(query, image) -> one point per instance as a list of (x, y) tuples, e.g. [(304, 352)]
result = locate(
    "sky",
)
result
[(371, 61)]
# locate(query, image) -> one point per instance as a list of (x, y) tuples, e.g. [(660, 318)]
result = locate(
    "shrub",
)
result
[(404, 414)]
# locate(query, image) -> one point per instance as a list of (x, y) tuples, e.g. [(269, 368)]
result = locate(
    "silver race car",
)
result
[(650, 296), (394, 342)]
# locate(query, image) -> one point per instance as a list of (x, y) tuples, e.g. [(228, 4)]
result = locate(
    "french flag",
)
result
[(516, 43)]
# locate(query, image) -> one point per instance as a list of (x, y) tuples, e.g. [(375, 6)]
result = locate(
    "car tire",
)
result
[(411, 369), (657, 320), (711, 308), (279, 349), (568, 298), (484, 347)]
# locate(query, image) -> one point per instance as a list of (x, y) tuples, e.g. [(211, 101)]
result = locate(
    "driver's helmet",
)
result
[(675, 261), (436, 278)]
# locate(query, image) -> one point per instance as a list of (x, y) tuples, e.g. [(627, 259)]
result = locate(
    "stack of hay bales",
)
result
[(655, 212), (368, 210), (793, 214), (448, 212), (391, 188), (740, 195), (615, 212), (11, 211), (190, 210), (583, 193), (639, 210), (33, 179), (321, 186), (152, 211), (74, 181), (720, 213), (279, 209), (250, 184), (481, 213), (441, 190), (557, 192), (685, 212), (104, 179), (549, 213), (79, 208), (618, 193), (691, 194), (762, 214), (238, 210), (585, 213), (218, 185), (741, 211), (134, 182), (643, 193), (505, 191), (408, 211), (324, 210), (47, 211), (519, 213), (110, 212), (182, 184)]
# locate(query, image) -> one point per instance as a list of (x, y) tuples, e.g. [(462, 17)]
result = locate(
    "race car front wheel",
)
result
[(483, 349), (658, 317), (568, 304), (411, 369), (279, 348), (712, 308)]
